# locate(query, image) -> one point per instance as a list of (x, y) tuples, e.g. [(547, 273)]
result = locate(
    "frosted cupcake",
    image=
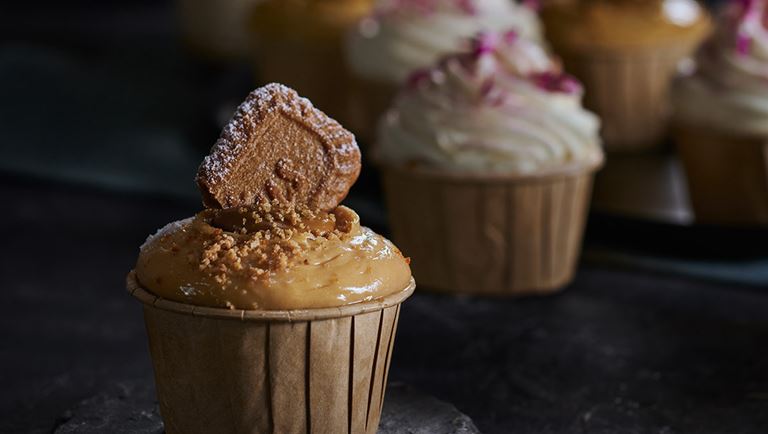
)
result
[(488, 159), (403, 36), (721, 116), (273, 309), (626, 53)]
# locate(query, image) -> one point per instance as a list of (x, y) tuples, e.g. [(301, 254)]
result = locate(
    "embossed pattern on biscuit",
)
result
[(278, 146)]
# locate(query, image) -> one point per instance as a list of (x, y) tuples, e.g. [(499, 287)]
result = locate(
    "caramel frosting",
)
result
[(271, 257), (593, 24)]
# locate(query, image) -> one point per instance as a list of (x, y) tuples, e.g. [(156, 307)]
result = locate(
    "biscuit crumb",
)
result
[(268, 237)]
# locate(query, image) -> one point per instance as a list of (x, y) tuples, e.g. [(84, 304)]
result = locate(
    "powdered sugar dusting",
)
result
[(238, 134)]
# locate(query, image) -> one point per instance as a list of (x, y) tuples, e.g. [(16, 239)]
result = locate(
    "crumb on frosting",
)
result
[(267, 238)]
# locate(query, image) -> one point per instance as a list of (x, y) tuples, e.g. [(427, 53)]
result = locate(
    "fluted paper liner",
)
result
[(369, 100), (489, 235), (727, 175), (214, 30), (629, 90), (300, 371)]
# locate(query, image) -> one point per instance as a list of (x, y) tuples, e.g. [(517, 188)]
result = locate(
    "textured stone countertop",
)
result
[(618, 351)]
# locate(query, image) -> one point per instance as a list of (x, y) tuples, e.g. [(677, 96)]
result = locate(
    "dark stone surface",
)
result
[(621, 350), (125, 407), (618, 351), (131, 408), (406, 410)]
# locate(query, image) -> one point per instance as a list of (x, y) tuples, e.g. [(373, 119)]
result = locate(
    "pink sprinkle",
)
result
[(533, 5), (510, 37), (468, 6), (484, 42), (743, 44), (417, 77), (487, 87), (556, 82), (423, 6), (746, 4), (749, 12), (491, 94)]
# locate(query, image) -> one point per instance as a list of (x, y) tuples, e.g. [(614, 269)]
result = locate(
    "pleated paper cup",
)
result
[(727, 175), (629, 90), (215, 30), (298, 371), (492, 235)]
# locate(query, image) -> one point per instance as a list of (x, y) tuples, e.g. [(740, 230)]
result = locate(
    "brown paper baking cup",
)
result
[(215, 30), (369, 100), (727, 176), (297, 371), (490, 235), (629, 90)]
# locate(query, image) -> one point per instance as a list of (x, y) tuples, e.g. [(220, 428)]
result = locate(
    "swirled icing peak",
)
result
[(426, 7), (729, 88), (401, 36), (505, 105)]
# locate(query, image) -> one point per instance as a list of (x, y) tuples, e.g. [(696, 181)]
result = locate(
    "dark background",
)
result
[(103, 120)]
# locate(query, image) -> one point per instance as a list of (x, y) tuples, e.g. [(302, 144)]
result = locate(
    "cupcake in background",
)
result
[(299, 43), (626, 53), (721, 117), (401, 36), (215, 29), (488, 159)]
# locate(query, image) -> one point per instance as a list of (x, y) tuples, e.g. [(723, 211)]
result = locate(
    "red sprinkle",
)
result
[(417, 77), (534, 5), (556, 82)]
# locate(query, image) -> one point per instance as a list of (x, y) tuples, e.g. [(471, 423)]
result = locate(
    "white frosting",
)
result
[(504, 107), (405, 35), (729, 90)]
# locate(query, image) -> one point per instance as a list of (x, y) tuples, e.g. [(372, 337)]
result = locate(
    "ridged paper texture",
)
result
[(489, 237), (368, 102), (301, 371), (727, 176), (630, 93), (227, 376)]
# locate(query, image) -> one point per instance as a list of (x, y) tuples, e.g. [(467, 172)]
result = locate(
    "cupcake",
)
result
[(488, 159), (215, 30), (273, 310), (626, 53), (406, 35), (721, 118), (300, 43)]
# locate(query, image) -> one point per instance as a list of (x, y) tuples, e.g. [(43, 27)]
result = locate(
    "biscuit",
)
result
[(279, 147)]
